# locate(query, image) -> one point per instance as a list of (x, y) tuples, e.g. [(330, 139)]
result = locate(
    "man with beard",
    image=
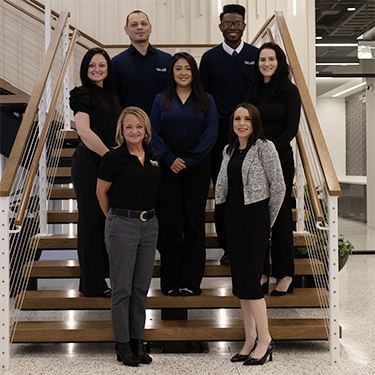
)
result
[(227, 74), (140, 72)]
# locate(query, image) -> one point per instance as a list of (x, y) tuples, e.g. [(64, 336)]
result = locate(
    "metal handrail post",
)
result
[(4, 283), (333, 261)]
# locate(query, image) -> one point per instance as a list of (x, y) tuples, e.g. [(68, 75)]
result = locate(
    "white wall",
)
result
[(331, 115), (194, 22)]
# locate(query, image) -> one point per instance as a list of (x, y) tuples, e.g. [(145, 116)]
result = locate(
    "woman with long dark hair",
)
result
[(251, 184), (279, 104), (184, 129), (96, 109)]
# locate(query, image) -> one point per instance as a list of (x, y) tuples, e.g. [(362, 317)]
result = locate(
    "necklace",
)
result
[(241, 149)]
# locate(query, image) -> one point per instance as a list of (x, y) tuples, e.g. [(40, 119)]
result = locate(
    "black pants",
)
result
[(282, 230), (216, 159), (182, 199), (92, 254)]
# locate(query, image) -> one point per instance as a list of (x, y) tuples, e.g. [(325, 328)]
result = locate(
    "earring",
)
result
[(145, 135)]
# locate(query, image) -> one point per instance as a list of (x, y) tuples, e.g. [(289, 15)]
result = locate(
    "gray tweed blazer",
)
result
[(262, 177)]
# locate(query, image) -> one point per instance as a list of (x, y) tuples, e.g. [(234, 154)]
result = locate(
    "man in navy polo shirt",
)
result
[(140, 72), (227, 73)]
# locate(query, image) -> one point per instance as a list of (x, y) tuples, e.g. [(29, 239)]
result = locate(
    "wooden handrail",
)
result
[(329, 172), (18, 148), (43, 136)]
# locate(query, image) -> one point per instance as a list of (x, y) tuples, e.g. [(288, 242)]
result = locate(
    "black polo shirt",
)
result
[(134, 186)]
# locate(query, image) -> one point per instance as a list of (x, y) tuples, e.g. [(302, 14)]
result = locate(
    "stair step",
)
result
[(59, 172), (66, 216), (70, 268), (209, 299), (168, 330), (69, 241), (63, 193), (63, 152)]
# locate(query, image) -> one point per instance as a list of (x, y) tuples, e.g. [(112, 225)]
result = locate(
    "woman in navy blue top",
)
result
[(184, 129)]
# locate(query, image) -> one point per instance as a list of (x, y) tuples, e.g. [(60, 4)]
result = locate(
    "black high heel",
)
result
[(243, 357), (124, 354), (277, 293), (139, 351), (260, 361)]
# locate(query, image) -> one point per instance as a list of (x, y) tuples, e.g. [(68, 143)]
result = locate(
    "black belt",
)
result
[(131, 214)]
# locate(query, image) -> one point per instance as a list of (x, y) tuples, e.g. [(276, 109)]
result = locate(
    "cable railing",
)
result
[(316, 190), (316, 185), (30, 170)]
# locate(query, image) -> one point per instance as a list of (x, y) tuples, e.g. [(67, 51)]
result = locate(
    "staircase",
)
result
[(156, 329)]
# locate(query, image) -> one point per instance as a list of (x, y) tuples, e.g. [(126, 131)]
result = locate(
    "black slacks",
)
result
[(182, 199), (92, 254), (282, 230)]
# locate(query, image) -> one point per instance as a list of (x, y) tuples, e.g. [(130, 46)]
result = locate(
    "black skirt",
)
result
[(247, 231)]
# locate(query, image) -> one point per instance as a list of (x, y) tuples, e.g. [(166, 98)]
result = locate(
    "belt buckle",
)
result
[(143, 216)]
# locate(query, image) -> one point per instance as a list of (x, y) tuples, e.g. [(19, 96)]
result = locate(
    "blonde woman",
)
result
[(127, 186)]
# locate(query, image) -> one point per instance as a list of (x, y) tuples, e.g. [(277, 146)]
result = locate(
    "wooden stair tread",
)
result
[(63, 193), (167, 330), (63, 152), (59, 171), (70, 268), (210, 299)]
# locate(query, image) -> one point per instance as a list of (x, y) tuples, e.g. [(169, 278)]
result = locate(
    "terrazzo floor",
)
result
[(357, 346)]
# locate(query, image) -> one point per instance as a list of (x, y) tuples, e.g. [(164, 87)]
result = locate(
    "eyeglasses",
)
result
[(238, 25)]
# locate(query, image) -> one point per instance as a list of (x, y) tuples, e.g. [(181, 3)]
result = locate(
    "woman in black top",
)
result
[(96, 109), (127, 188), (279, 104)]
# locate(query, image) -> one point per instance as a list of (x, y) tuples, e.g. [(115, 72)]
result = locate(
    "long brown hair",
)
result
[(256, 124), (202, 103)]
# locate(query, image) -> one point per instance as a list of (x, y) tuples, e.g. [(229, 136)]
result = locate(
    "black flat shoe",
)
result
[(260, 361), (185, 292), (106, 294), (139, 351), (173, 293), (125, 354)]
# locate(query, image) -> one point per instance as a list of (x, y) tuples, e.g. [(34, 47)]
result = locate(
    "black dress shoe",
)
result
[(139, 351), (126, 355), (278, 293), (225, 260), (260, 361), (107, 293), (185, 292), (239, 357), (173, 293), (243, 357)]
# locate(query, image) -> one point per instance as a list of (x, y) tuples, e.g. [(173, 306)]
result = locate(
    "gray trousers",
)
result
[(131, 246)]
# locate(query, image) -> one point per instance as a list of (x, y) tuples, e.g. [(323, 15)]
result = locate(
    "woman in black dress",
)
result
[(279, 104), (96, 109), (252, 185)]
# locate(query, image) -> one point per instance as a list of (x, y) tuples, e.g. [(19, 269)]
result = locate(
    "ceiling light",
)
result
[(351, 9), (324, 77), (342, 64), (319, 37), (349, 89), (336, 44)]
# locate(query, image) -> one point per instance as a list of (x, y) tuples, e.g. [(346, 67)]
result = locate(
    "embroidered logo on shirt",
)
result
[(249, 62), (161, 69), (154, 163)]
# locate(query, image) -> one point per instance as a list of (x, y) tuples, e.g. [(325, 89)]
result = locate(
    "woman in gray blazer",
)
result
[(251, 183)]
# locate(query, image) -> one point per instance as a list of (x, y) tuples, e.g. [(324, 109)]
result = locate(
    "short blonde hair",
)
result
[(143, 119)]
